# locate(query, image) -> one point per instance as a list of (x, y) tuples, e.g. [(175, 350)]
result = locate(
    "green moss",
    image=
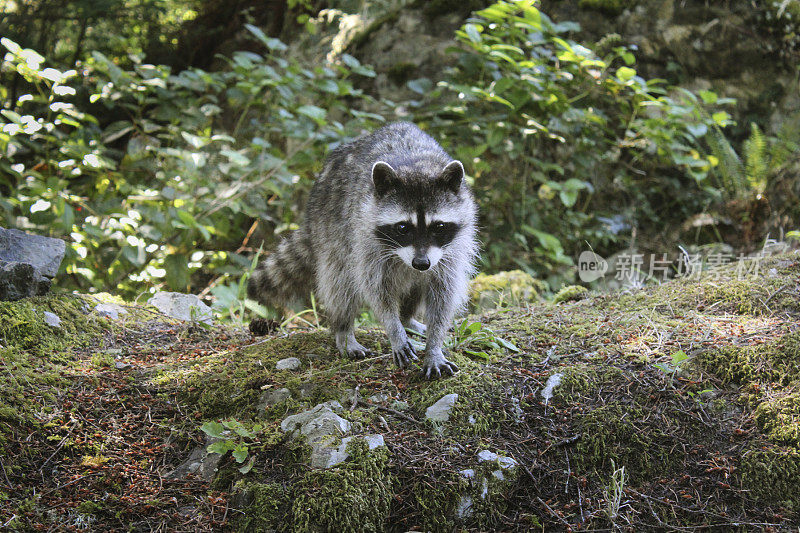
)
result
[(570, 293), (772, 475), (353, 496), (22, 325), (611, 7), (625, 435), (34, 354), (437, 499), (480, 407), (510, 288), (776, 362), (779, 419), (226, 385), (264, 506)]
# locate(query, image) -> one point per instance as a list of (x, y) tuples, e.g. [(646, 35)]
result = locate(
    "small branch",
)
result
[(389, 410)]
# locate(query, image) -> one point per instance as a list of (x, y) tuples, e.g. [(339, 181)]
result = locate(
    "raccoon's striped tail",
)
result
[(287, 275)]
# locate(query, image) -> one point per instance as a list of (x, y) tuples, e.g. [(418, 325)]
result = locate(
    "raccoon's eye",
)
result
[(438, 227), (402, 228)]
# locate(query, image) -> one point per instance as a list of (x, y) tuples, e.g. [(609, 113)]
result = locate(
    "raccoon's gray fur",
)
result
[(390, 223)]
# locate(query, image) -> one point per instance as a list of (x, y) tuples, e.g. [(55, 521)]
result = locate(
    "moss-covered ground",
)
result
[(692, 386)]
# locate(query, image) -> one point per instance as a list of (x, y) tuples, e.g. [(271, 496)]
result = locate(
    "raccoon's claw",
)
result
[(435, 368), (359, 353), (404, 355)]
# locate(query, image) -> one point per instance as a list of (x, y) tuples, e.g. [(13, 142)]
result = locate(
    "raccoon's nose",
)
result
[(421, 263)]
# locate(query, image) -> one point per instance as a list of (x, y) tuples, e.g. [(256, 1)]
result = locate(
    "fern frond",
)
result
[(730, 170), (757, 165)]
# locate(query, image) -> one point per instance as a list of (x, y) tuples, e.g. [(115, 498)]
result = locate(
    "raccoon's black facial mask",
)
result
[(401, 234)]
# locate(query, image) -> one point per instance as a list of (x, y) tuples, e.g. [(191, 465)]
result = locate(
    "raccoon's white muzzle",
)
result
[(422, 260)]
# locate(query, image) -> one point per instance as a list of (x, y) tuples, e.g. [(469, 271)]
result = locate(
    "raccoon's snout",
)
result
[(421, 263)]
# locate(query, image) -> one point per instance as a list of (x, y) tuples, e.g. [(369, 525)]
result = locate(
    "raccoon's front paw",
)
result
[(436, 365), (348, 346), (416, 327), (404, 354), (358, 352)]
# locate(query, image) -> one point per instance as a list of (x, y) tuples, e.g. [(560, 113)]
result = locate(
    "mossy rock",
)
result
[(510, 288), (570, 293), (773, 474), (353, 496)]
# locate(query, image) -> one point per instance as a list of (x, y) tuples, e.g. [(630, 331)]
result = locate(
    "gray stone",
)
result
[(200, 463), (290, 363), (329, 456), (119, 365), (440, 411), (322, 428), (52, 319), (317, 422), (186, 307), (21, 280), (108, 310), (42, 253), (272, 397), (468, 473), (503, 461), (464, 508)]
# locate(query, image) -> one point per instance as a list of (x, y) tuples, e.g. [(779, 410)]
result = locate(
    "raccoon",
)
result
[(390, 223)]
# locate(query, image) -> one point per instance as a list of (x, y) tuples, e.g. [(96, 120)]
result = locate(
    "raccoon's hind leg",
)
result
[(342, 319), (408, 308)]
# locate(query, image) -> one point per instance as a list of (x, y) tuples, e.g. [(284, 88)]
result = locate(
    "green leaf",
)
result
[(473, 33), (240, 453), (177, 268), (221, 447), (313, 112), (269, 42), (678, 357), (212, 429), (247, 467), (625, 73), (722, 118), (709, 97), (507, 345)]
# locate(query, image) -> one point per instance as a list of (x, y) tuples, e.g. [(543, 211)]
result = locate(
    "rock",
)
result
[(503, 461), (119, 365), (272, 397), (514, 287), (21, 280), (322, 427), (440, 411), (110, 310), (327, 457), (318, 422), (200, 463), (52, 319), (290, 363), (468, 473), (464, 508), (42, 253), (552, 382), (186, 307)]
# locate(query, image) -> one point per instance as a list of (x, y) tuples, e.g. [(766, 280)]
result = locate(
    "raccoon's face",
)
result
[(418, 218)]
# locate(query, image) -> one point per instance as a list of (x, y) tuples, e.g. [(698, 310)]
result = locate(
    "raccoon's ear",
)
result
[(383, 177), (452, 176)]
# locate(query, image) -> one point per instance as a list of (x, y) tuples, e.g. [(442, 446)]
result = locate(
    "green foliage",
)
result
[(763, 157), (165, 192), (556, 134), (612, 7), (233, 436), (475, 339)]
